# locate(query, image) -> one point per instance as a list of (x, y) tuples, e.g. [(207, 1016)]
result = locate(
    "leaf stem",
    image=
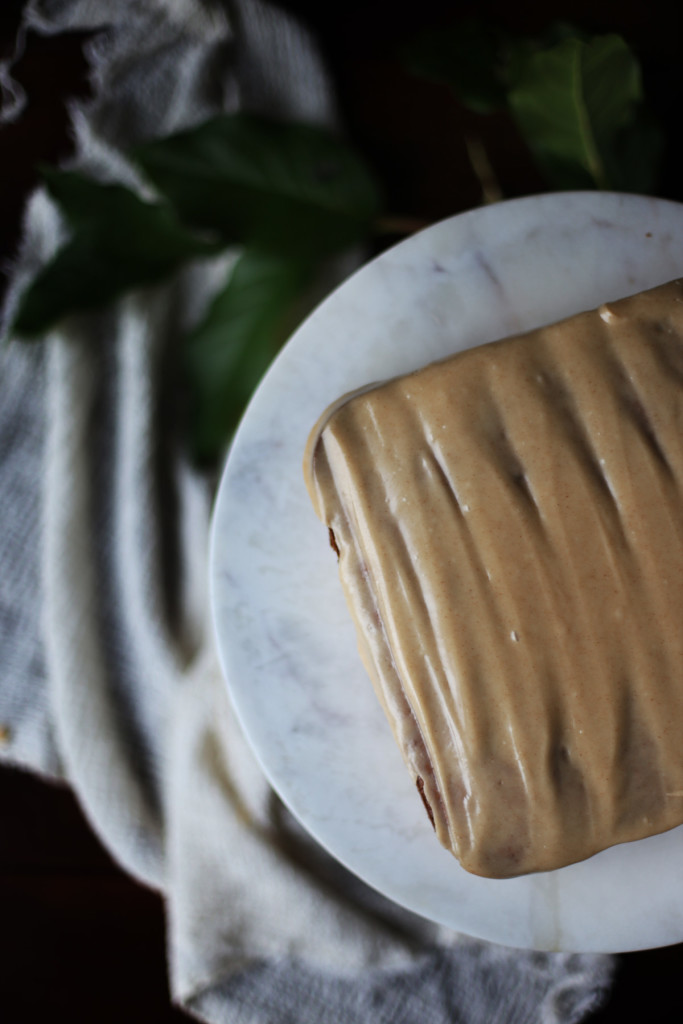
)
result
[(491, 192)]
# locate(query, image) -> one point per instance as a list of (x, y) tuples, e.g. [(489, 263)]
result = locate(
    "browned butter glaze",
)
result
[(510, 532)]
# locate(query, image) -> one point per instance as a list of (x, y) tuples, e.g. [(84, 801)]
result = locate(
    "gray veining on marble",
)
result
[(285, 638)]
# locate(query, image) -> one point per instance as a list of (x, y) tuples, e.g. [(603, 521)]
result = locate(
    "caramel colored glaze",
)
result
[(510, 531)]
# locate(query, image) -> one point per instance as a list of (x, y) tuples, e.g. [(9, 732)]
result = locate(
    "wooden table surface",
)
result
[(79, 939)]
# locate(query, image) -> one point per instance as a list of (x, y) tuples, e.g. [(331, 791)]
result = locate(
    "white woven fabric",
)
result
[(107, 672)]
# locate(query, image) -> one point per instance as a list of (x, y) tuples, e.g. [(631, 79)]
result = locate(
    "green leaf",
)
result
[(119, 243), (465, 56), (572, 102), (284, 187), (230, 350)]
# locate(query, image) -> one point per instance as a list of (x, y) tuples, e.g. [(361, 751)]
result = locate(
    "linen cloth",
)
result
[(108, 677)]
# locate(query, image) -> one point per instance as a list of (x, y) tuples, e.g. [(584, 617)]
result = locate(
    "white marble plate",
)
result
[(285, 638)]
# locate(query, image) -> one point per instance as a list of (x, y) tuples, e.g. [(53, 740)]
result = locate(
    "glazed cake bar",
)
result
[(509, 526)]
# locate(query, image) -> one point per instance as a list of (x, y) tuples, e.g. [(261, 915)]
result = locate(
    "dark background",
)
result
[(78, 938)]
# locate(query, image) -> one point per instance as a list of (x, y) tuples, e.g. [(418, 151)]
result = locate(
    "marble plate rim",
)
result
[(222, 641)]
